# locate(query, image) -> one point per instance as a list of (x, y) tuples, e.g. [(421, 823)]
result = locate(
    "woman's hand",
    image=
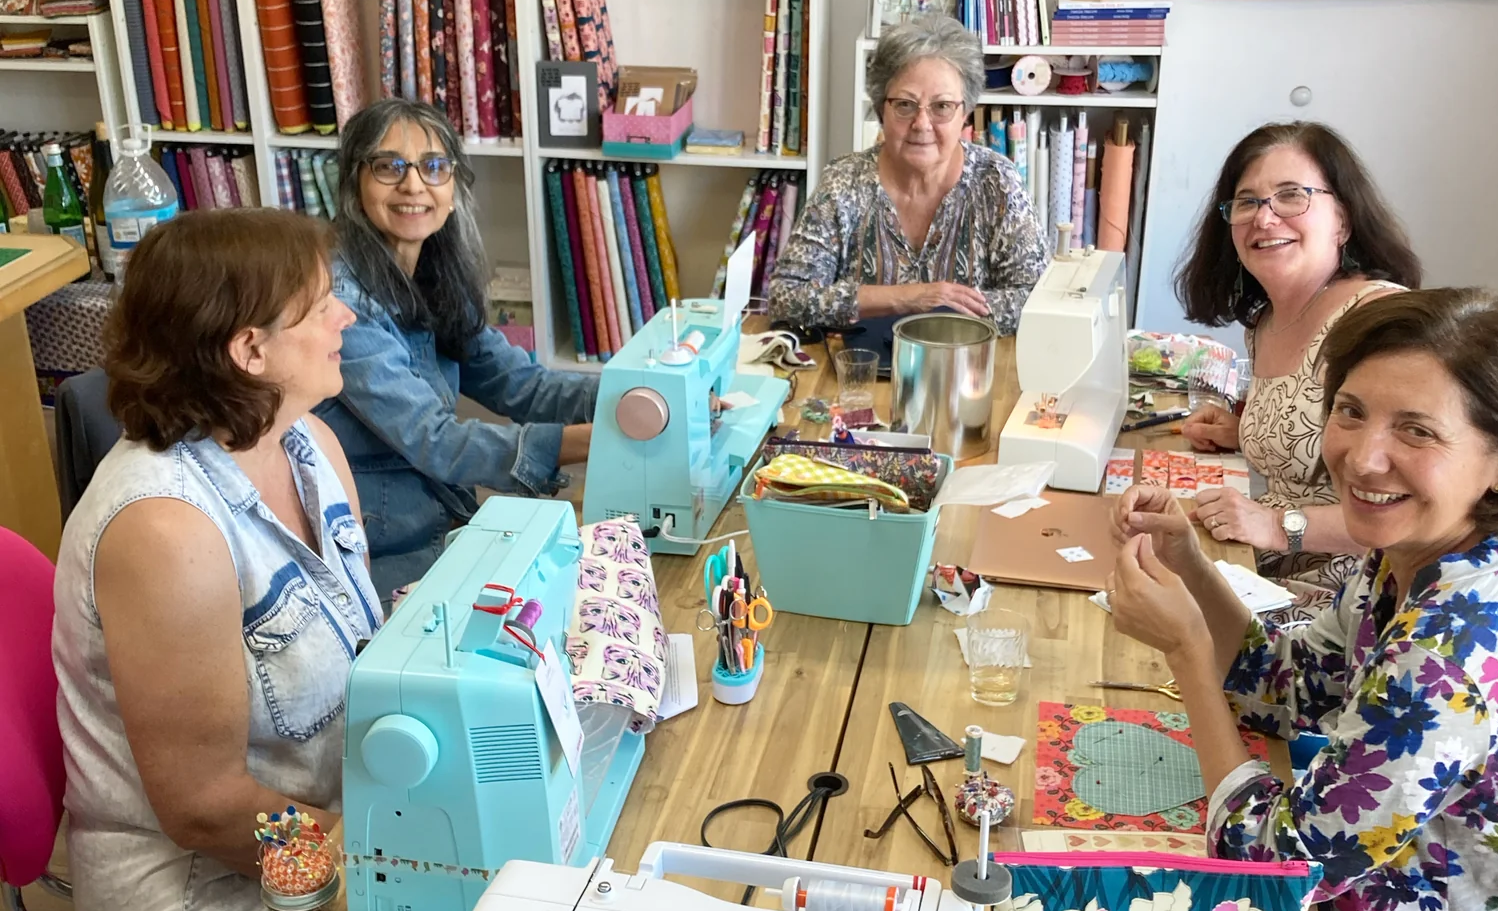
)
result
[(1151, 604), (1211, 429), (1153, 513), (1230, 516), (922, 298)]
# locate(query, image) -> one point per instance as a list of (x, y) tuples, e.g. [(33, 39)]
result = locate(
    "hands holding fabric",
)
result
[(1149, 600)]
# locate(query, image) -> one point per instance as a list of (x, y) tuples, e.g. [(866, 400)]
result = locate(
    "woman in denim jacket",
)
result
[(412, 268)]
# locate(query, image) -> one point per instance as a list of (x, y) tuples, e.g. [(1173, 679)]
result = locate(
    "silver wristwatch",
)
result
[(1294, 523)]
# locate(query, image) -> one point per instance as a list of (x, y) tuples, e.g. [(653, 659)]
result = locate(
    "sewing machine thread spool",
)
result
[(530, 612), (823, 895), (973, 749), (1063, 240)]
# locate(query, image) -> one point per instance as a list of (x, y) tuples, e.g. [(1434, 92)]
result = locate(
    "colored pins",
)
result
[(294, 860)]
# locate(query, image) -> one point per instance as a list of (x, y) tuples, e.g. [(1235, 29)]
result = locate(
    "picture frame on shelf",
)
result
[(567, 104)]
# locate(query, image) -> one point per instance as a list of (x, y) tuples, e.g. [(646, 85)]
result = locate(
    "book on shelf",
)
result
[(715, 142)]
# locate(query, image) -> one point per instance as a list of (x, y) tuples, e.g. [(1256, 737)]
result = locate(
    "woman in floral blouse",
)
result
[(922, 221), (1402, 673)]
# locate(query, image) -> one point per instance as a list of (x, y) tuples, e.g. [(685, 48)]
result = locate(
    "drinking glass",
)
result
[(857, 369), (997, 643)]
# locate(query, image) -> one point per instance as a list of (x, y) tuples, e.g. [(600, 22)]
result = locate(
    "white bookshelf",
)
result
[(37, 101)]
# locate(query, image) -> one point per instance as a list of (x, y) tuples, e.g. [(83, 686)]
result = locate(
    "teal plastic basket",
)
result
[(839, 563)]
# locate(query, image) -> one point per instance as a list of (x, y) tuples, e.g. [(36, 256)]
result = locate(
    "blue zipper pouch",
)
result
[(1143, 880)]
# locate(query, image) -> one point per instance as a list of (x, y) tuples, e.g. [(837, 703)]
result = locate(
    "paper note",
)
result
[(1016, 508), (1001, 748), (556, 694), (1119, 475), (679, 692), (1074, 554), (737, 399)]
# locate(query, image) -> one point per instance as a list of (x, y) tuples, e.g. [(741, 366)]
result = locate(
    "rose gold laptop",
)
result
[(1026, 550)]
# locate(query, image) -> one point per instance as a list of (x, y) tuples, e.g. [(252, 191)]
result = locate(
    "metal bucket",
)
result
[(942, 370)]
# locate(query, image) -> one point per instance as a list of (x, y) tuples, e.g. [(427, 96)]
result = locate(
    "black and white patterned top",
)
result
[(985, 235)]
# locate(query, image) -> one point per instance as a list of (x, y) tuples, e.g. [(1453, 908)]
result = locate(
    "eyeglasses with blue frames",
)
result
[(434, 170), (1287, 203)]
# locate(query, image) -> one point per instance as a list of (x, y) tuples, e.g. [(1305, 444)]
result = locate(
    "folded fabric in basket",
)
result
[(617, 642), (795, 477), (916, 472)]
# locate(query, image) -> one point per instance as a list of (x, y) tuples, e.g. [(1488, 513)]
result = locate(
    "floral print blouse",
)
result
[(985, 235), (1400, 807)]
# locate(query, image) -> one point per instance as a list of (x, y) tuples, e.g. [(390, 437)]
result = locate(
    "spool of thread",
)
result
[(973, 749), (1031, 75), (693, 342), (529, 614), (1072, 85), (821, 895)]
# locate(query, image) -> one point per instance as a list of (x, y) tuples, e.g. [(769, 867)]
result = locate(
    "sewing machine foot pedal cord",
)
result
[(822, 787)]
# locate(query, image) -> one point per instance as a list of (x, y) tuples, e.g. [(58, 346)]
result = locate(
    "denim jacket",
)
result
[(415, 463)]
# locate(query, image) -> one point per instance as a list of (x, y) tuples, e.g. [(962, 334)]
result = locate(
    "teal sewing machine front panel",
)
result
[(451, 763), (689, 468)]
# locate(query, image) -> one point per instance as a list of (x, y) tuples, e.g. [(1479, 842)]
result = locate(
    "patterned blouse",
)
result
[(985, 235), (1400, 808), (1281, 438)]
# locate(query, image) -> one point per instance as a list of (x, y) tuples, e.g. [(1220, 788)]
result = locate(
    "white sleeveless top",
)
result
[(302, 616)]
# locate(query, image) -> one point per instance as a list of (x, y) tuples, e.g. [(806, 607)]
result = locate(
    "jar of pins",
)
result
[(297, 872)]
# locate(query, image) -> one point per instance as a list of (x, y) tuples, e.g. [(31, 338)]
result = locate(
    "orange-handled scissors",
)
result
[(746, 613)]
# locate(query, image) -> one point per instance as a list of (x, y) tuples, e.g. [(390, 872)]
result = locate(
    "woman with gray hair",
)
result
[(412, 268), (923, 221)]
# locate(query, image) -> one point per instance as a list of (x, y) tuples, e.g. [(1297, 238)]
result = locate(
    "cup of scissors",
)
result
[(736, 617)]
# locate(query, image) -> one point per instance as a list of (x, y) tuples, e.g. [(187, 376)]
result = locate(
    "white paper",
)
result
[(985, 485), (1257, 593), (1016, 508), (679, 692), (1074, 554), (556, 694), (1001, 748), (961, 633), (738, 399)]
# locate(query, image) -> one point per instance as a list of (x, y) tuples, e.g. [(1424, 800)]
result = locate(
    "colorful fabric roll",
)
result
[(230, 179), (330, 180), (637, 248), (454, 80), (283, 66), (140, 61), (512, 31), (483, 71), (184, 174), (316, 77), (389, 73), (244, 181), (213, 63), (605, 279), (422, 30), (663, 233), (340, 20), (648, 235), (1059, 192), (405, 36), (1079, 183), (284, 190), (218, 176), (571, 49), (238, 111), (556, 204), (197, 159), (439, 55), (586, 14), (616, 261), (626, 253), (780, 233), (552, 24), (160, 95), (171, 62), (590, 262), (185, 41), (720, 279), (579, 267), (606, 51), (169, 165), (762, 220), (466, 74), (202, 59), (318, 166), (311, 200), (1113, 199), (501, 39)]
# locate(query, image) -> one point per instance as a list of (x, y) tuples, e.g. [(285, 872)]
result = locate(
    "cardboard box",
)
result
[(654, 91)]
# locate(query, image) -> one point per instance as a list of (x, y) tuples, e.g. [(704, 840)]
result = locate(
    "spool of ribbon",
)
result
[(1072, 85), (1115, 75), (1031, 75)]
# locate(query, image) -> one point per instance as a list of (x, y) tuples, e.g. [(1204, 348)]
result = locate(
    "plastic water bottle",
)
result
[(139, 196)]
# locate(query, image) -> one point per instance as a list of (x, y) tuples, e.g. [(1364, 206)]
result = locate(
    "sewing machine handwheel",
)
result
[(642, 413), (399, 751)]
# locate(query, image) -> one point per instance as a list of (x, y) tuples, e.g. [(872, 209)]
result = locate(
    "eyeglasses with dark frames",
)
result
[(1286, 203), (434, 170)]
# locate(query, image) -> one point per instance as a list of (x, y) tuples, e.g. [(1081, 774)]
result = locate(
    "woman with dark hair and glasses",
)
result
[(411, 266), (1294, 237), (923, 220)]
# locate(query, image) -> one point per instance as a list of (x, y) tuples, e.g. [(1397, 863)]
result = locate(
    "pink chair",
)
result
[(31, 767)]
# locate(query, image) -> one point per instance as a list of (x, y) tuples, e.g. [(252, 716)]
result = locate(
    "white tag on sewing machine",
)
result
[(1074, 554), (556, 693)]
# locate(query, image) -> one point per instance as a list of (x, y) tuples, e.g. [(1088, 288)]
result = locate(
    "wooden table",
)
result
[(28, 485)]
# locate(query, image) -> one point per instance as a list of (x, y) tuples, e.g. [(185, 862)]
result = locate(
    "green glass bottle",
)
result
[(61, 208)]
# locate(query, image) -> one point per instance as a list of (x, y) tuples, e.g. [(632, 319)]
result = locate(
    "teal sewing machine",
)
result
[(659, 453), (452, 764)]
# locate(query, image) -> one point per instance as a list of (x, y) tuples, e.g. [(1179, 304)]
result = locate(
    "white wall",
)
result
[(1408, 82)]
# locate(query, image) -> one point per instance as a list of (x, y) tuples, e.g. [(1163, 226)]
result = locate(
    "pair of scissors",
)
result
[(721, 565), (745, 613), (1168, 689)]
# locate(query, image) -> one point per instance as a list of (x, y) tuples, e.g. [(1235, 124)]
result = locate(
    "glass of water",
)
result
[(997, 643), (857, 370)]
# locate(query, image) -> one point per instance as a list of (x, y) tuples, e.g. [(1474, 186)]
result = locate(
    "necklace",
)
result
[(1277, 330)]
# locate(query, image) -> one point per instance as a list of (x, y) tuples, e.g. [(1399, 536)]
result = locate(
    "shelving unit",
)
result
[(107, 88)]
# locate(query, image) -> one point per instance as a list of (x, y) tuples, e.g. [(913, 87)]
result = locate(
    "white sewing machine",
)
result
[(1073, 369), (801, 885)]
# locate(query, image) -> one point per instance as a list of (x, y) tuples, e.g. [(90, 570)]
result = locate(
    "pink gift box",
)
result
[(662, 133)]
